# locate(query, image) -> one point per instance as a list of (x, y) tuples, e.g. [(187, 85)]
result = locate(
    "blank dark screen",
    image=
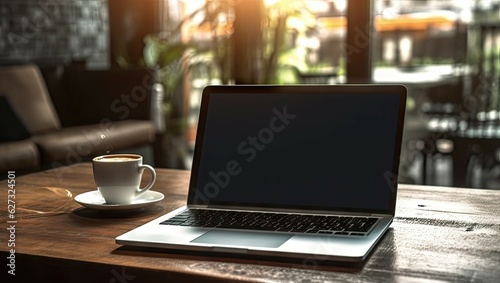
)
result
[(306, 150)]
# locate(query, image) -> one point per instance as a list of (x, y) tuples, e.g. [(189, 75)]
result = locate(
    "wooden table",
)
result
[(441, 234)]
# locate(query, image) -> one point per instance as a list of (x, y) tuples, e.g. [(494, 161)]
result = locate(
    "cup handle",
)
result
[(151, 181)]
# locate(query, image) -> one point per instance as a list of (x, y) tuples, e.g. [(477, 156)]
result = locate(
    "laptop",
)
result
[(302, 171)]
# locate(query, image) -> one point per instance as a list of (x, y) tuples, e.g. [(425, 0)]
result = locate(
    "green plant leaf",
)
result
[(151, 52)]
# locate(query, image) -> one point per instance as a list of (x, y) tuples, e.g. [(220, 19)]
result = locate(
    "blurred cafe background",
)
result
[(148, 60)]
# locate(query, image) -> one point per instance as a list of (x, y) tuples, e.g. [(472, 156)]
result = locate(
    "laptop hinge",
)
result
[(380, 215), (281, 210), (197, 206)]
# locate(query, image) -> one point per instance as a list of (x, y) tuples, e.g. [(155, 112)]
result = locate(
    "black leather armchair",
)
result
[(87, 113)]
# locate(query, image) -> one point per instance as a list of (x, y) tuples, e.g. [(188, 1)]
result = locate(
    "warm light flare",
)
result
[(270, 2), (195, 3)]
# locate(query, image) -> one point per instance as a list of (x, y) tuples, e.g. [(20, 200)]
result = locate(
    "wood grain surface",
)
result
[(439, 235)]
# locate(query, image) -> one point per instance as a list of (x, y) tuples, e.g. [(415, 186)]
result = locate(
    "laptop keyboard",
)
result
[(281, 222)]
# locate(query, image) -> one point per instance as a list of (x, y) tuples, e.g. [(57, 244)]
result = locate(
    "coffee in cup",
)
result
[(118, 177)]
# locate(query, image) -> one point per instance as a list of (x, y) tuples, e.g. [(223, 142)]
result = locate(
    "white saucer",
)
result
[(94, 200)]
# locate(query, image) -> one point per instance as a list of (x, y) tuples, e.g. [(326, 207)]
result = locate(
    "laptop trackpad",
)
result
[(242, 238)]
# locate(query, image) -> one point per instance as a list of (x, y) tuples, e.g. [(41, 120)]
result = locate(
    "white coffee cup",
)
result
[(118, 177)]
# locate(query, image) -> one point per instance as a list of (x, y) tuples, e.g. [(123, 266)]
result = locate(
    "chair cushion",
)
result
[(12, 127), (82, 143), (18, 155)]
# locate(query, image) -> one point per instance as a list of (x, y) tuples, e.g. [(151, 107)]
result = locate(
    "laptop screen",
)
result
[(325, 150)]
